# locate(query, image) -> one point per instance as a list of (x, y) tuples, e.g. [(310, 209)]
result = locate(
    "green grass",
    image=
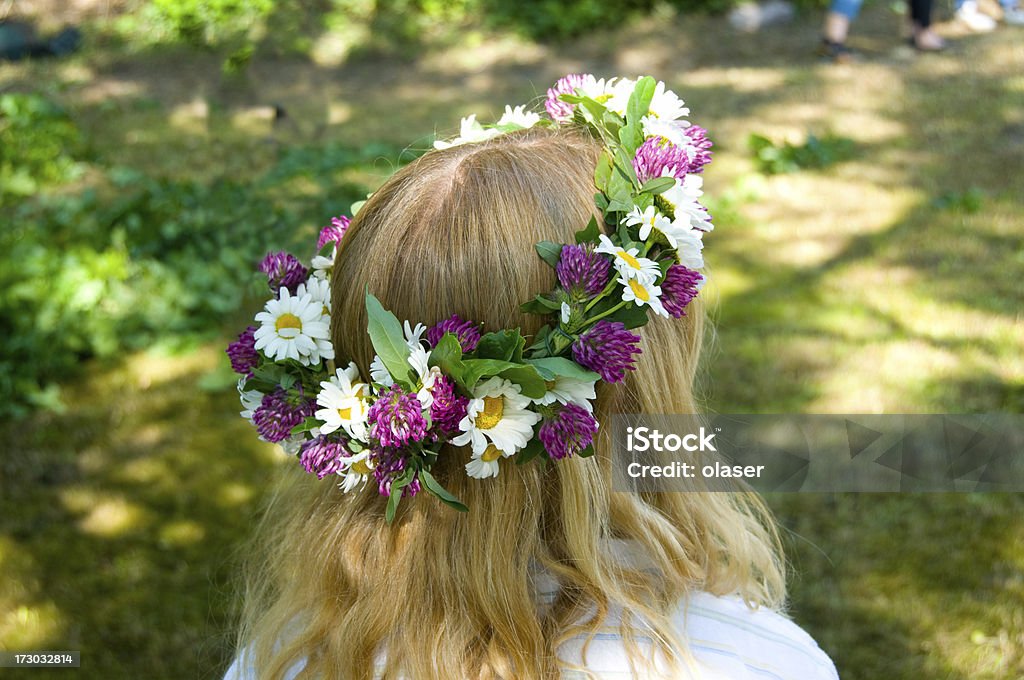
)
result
[(888, 281)]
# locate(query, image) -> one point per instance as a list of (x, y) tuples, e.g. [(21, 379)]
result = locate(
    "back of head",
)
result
[(440, 594)]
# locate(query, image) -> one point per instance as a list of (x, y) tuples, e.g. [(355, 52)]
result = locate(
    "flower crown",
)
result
[(455, 384)]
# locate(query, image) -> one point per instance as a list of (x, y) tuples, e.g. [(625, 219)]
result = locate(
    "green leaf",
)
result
[(620, 206), (528, 379), (533, 449), (595, 109), (395, 497), (630, 138), (447, 355), (590, 234), (631, 316), (587, 452), (624, 164), (434, 487), (540, 341), (540, 305), (658, 185), (603, 172), (502, 345), (387, 339), (640, 101), (551, 367), (549, 251), (306, 425), (484, 368)]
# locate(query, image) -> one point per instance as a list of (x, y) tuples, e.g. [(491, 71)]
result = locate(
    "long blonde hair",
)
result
[(440, 594)]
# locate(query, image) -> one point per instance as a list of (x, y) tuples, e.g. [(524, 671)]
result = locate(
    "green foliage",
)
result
[(815, 153), (136, 259), (38, 145), (969, 201), (207, 22)]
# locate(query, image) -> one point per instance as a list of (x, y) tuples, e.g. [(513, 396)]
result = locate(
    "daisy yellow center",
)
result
[(639, 291), (360, 467), (629, 259), (490, 454), (288, 320), (549, 385), (345, 413), (491, 414)]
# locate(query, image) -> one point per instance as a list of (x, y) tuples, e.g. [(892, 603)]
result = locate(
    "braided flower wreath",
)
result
[(455, 384)]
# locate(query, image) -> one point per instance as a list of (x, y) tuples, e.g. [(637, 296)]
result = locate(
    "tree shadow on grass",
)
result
[(129, 553)]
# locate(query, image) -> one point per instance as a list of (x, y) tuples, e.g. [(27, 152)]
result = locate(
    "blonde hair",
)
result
[(440, 594)]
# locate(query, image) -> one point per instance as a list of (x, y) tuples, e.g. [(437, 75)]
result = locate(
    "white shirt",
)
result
[(727, 639)]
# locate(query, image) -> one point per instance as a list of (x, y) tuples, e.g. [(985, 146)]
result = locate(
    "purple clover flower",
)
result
[(334, 232), (557, 109), (680, 286), (243, 353), (283, 270), (703, 145), (389, 464), (570, 431), (397, 418), (448, 409), (467, 332), (581, 271), (277, 414), (608, 349), (655, 155), (322, 456)]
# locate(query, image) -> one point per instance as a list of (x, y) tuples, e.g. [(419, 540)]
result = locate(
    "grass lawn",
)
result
[(886, 281)]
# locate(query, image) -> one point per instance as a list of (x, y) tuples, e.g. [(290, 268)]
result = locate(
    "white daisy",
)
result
[(418, 359), (648, 220), (322, 265), (670, 130), (619, 91), (642, 293), (379, 372), (519, 116), (569, 391), (343, 399), (497, 414), (355, 471), (485, 465), (598, 90), (251, 400), (688, 249), (684, 199), (470, 131), (665, 105), (628, 263), (294, 327), (320, 290)]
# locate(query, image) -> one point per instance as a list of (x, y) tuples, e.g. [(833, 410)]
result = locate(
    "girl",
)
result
[(549, 574)]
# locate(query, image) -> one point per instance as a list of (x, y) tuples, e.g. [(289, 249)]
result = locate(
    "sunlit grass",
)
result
[(846, 289)]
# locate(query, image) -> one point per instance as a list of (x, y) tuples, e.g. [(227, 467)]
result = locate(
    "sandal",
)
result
[(926, 41), (836, 52)]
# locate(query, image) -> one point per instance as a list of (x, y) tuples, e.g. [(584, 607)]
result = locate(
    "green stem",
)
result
[(607, 289), (591, 322)]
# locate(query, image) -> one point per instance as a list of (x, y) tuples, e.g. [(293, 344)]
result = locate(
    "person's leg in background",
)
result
[(837, 27), (968, 14), (1013, 12), (923, 38)]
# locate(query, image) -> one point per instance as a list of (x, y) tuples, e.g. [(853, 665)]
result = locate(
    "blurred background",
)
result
[(868, 258)]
